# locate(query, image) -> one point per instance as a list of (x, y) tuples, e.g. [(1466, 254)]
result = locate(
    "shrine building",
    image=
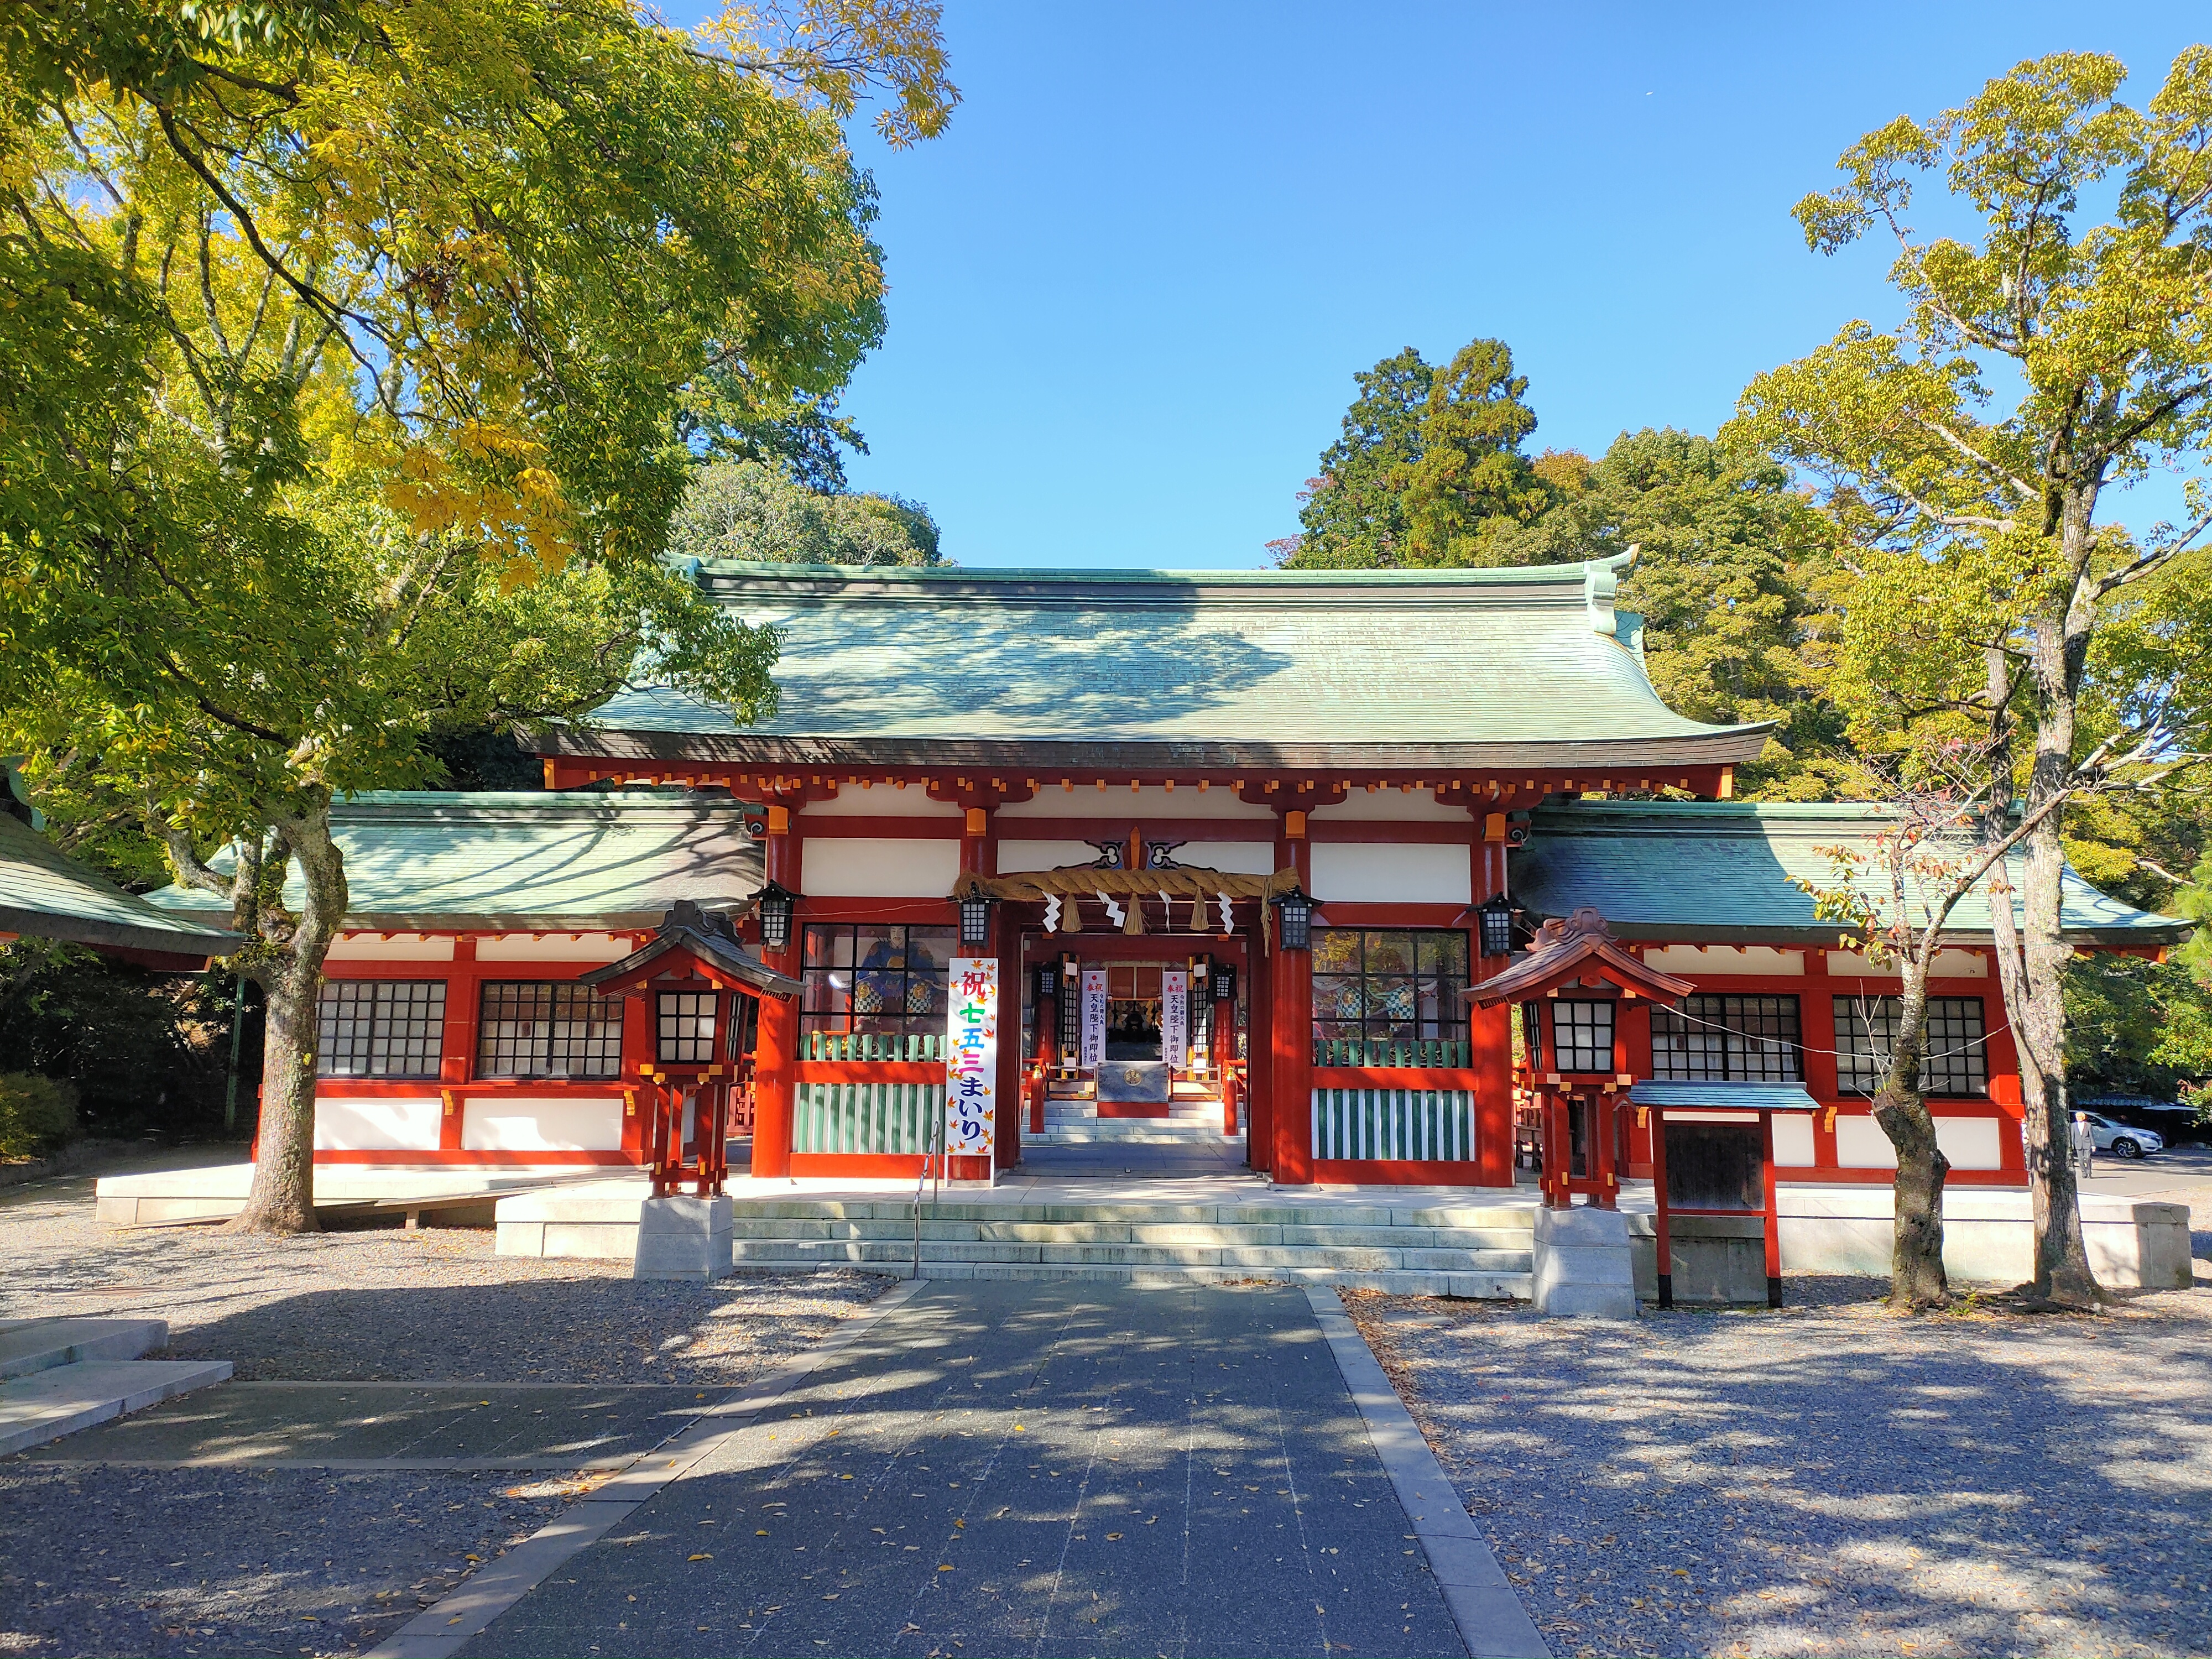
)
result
[(1245, 849)]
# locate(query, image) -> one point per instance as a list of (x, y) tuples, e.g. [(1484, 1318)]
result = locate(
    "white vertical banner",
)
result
[(971, 1056), (1094, 1018), (1175, 1017)]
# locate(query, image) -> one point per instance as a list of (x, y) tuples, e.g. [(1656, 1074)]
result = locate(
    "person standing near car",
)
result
[(2085, 1145)]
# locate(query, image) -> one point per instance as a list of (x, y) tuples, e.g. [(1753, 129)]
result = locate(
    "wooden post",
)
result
[(1659, 1188), (1291, 1084), (1224, 1035), (1773, 1226), (1558, 1151), (1260, 1049), (1047, 1040), (1601, 1161), (777, 1050)]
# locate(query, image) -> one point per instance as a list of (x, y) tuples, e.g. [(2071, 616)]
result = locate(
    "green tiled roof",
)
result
[(1143, 668), (1715, 872), (575, 860), (1745, 1097), (45, 896)]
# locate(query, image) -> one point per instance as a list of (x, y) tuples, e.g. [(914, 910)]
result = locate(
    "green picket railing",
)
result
[(1433, 1054), (865, 1117), (1425, 1125), (863, 1047)]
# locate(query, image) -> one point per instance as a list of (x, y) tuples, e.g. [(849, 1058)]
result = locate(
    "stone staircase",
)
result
[(58, 1376), (1462, 1250), (1075, 1122)]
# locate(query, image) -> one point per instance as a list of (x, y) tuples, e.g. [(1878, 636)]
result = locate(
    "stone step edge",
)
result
[(115, 1340), (47, 1404), (1476, 1286)]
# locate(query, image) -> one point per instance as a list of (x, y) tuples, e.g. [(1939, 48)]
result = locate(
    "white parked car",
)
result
[(2122, 1140)]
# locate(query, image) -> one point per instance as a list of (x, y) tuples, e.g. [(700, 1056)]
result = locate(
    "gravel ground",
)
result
[(113, 1560), (1831, 1479), (385, 1304), (110, 1561)]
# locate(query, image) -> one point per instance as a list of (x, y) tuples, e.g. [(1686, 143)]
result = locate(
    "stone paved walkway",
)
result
[(1021, 1468)]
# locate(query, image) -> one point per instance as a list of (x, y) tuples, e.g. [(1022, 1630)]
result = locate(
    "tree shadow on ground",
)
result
[(1833, 1479)]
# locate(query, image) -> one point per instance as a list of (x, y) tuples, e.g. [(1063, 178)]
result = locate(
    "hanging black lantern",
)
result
[(1296, 910), (776, 909), (1495, 916), (1224, 983), (974, 921)]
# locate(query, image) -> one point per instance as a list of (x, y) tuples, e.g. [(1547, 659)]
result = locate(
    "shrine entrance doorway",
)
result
[(1150, 1027)]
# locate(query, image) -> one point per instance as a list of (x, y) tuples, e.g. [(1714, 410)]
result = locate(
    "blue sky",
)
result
[(1131, 285)]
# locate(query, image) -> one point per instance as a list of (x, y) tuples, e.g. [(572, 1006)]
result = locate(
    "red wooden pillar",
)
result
[(1663, 1238), (1604, 1126), (777, 1049), (1490, 1030), (1224, 1032), (1046, 1012), (1260, 1051), (1559, 1151), (979, 851), (1773, 1228), (1291, 1084), (456, 1058)]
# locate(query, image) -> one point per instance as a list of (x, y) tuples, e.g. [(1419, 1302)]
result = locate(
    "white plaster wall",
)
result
[(400, 947), (1388, 805), (881, 800), (1970, 1143), (1989, 1235), (1949, 964), (1151, 801), (510, 1125), (1380, 872), (1724, 960), (1235, 858), (854, 866), (1861, 1145), (1017, 855), (1793, 1139), (553, 947), (383, 1124)]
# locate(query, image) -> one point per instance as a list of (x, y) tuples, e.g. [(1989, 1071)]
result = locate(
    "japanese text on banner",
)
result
[(1094, 1019), (971, 1056)]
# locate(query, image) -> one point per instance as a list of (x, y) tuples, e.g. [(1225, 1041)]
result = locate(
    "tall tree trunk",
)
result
[(2035, 995), (282, 1199), (1917, 1279)]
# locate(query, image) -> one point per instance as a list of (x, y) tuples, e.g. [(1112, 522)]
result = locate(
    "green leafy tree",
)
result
[(1731, 580), (1982, 515), (1897, 901), (762, 510), (348, 353), (1429, 466)]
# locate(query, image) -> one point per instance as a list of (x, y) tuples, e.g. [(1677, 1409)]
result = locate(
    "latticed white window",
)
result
[(686, 1035), (548, 1029), (1951, 1059), (380, 1028), (1582, 1035), (1726, 1039)]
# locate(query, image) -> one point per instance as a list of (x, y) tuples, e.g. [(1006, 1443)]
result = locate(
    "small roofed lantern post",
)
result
[(1581, 977), (688, 970)]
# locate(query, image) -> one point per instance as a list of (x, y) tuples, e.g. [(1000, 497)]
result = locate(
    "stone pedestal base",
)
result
[(1583, 1266), (684, 1238)]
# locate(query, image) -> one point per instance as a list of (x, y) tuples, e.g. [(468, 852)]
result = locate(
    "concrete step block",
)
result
[(1386, 1237), (49, 1404), (1130, 1255), (1491, 1287), (1197, 1233), (1352, 1259), (40, 1344), (1459, 1261)]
